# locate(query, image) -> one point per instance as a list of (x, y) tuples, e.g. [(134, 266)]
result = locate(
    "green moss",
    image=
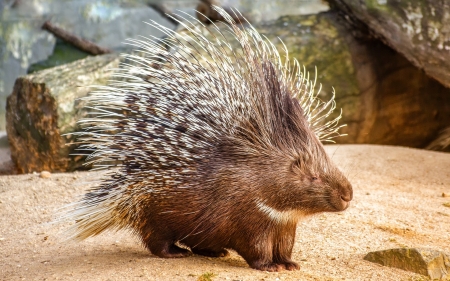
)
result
[(206, 276)]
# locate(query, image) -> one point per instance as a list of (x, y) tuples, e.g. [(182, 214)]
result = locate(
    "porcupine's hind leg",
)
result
[(161, 243)]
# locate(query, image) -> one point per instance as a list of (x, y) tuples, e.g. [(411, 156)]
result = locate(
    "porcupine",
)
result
[(213, 154)]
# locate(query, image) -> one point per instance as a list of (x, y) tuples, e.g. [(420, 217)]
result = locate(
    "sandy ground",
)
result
[(398, 202)]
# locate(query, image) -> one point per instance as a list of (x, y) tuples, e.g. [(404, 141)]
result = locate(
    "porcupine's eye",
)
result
[(315, 179)]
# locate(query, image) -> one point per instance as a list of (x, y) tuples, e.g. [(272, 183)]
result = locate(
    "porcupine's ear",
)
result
[(300, 163)]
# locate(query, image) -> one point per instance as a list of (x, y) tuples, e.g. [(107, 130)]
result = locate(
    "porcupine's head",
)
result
[(299, 178), (287, 163), (294, 173)]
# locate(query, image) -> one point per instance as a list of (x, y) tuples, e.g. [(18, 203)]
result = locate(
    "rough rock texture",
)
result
[(44, 106), (418, 29), (431, 263)]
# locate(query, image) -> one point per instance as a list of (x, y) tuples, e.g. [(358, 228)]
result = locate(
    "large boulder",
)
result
[(45, 106), (419, 29)]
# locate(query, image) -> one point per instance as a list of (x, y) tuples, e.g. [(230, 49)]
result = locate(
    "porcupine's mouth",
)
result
[(341, 204)]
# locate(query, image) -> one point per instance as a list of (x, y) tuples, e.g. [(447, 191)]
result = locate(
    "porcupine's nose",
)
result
[(347, 193)]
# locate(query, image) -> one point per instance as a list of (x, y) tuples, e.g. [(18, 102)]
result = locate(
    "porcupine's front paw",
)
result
[(290, 265), (270, 266)]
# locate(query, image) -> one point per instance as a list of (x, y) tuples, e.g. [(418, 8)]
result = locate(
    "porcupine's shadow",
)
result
[(122, 258)]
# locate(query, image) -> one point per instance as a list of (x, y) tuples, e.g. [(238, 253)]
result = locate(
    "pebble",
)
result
[(45, 174)]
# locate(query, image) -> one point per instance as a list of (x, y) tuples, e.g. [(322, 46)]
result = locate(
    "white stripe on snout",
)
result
[(280, 216)]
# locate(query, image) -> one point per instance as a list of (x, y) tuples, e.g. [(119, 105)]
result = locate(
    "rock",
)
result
[(417, 29), (44, 106), (431, 263), (45, 174)]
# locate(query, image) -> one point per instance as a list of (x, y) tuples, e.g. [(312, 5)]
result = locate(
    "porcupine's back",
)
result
[(173, 113)]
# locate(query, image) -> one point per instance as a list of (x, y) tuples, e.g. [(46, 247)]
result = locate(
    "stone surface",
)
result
[(6, 165), (44, 106), (419, 29), (385, 99), (21, 44), (431, 263)]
